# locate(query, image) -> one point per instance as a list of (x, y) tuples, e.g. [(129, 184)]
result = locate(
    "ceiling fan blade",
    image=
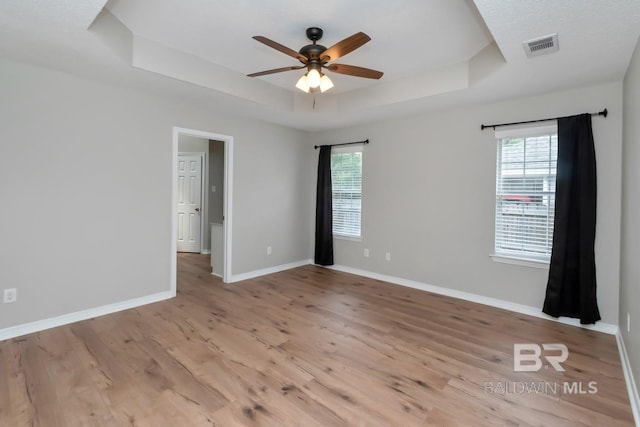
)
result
[(345, 46), (277, 46), (275, 70), (352, 70)]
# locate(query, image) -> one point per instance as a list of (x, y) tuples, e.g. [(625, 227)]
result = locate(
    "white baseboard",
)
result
[(41, 325), (205, 252), (607, 328), (270, 270), (632, 388)]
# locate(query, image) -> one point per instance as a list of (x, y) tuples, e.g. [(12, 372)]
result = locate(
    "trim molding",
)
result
[(632, 389), (205, 252), (520, 261), (269, 270), (52, 322), (607, 328)]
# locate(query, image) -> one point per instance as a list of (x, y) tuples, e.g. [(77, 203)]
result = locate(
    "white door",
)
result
[(189, 203)]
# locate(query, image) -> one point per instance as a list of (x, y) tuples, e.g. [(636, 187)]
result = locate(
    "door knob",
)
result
[(197, 209)]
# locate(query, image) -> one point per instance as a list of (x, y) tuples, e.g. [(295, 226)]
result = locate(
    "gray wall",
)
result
[(275, 175), (630, 252), (429, 197), (85, 175), (192, 144), (216, 178), (85, 179)]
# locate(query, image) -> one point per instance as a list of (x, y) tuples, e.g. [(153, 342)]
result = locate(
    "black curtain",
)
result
[(571, 289), (324, 210)]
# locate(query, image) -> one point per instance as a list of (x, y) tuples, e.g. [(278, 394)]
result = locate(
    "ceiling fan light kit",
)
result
[(313, 78), (303, 85), (315, 57), (325, 83)]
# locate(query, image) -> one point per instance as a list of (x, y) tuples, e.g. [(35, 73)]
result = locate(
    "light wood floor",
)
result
[(305, 347)]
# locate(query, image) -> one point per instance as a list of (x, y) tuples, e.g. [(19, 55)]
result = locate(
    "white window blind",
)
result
[(346, 181), (525, 192)]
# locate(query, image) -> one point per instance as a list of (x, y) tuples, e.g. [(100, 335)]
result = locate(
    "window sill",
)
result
[(534, 263), (350, 238)]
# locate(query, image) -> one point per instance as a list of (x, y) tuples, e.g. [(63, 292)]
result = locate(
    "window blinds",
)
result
[(525, 192), (346, 177)]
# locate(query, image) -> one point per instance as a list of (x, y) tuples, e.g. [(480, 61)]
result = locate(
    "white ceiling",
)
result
[(435, 53), (221, 31)]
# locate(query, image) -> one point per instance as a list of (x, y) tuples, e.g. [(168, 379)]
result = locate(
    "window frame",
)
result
[(344, 150), (514, 256)]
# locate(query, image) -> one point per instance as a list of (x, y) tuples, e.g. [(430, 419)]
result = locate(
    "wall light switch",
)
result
[(213, 188), (366, 253), (388, 256)]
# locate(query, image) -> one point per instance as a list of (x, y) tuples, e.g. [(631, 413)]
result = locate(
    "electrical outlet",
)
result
[(366, 253), (10, 295), (388, 256), (628, 322), (269, 250)]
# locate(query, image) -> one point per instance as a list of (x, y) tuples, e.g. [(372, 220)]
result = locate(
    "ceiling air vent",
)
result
[(541, 46)]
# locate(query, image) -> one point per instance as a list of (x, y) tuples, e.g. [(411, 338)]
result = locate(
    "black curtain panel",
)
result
[(571, 288), (324, 210)]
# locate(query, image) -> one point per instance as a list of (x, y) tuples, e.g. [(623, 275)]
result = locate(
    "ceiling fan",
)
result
[(315, 57)]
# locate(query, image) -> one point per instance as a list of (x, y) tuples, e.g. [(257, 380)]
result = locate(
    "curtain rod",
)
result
[(366, 141), (483, 127)]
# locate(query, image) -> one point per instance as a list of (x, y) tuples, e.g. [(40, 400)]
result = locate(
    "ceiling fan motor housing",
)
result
[(313, 51)]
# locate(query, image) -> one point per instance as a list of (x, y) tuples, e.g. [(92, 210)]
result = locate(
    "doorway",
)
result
[(224, 232)]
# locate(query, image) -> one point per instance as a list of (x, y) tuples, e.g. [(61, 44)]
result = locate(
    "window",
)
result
[(346, 180), (525, 192)]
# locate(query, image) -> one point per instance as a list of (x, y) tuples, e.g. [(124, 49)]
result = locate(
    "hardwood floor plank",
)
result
[(16, 406), (306, 347)]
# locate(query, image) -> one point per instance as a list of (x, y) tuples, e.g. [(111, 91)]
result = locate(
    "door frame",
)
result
[(227, 209), (204, 200)]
